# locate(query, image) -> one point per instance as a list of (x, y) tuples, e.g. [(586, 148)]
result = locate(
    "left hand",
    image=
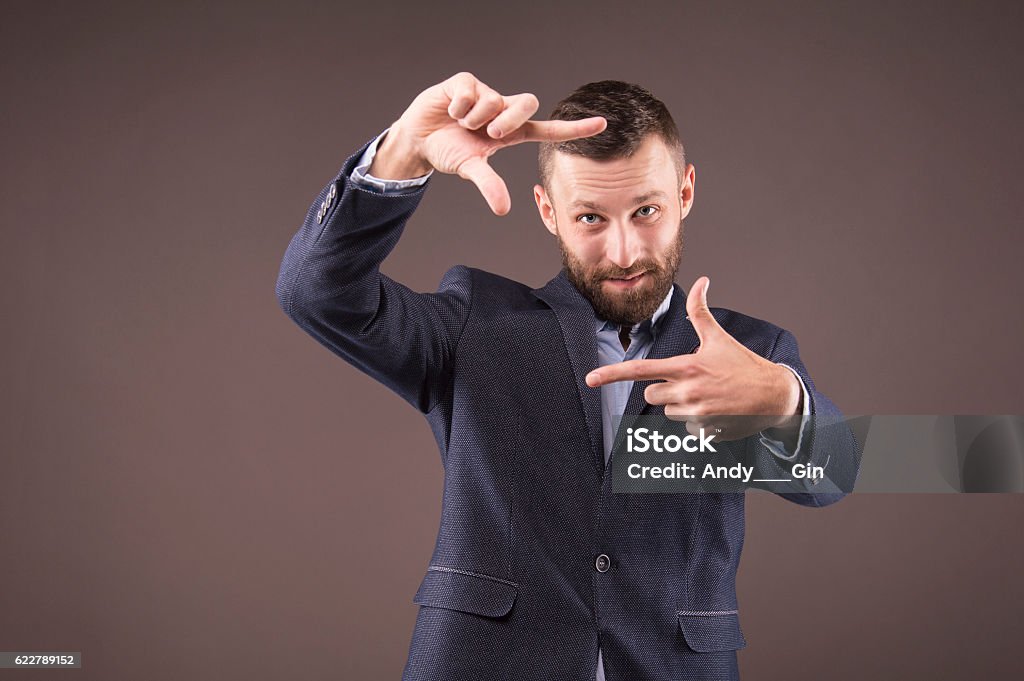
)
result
[(722, 385)]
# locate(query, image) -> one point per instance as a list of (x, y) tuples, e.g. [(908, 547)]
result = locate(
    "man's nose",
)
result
[(622, 247)]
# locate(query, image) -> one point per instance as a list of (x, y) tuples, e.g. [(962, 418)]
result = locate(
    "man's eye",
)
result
[(588, 219), (646, 211)]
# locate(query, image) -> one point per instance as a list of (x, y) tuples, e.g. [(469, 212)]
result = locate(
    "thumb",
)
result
[(698, 312), (488, 182)]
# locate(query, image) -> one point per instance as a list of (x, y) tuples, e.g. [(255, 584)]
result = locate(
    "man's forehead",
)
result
[(595, 199), (600, 189), (578, 178)]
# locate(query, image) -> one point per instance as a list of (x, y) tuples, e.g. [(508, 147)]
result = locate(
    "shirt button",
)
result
[(602, 563)]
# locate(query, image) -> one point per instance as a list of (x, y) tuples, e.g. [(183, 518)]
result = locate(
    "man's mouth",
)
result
[(627, 282)]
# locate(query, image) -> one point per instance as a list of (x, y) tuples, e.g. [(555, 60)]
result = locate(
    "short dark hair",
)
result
[(632, 113)]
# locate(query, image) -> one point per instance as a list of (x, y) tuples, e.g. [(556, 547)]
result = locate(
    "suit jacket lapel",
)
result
[(577, 321)]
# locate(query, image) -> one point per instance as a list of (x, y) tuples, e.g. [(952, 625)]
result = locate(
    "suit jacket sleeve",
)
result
[(330, 284), (829, 443)]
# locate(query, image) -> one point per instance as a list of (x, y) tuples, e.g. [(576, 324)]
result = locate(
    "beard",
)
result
[(632, 305)]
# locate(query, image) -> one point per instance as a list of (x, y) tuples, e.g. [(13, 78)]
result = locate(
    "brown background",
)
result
[(190, 487)]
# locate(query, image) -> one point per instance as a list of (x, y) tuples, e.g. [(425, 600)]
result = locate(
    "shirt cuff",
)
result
[(777, 447), (361, 176)]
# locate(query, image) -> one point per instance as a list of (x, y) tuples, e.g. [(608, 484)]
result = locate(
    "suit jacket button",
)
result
[(602, 563)]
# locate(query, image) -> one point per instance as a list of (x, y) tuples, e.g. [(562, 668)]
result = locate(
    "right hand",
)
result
[(454, 126)]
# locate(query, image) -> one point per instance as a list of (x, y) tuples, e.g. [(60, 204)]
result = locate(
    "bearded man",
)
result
[(540, 571)]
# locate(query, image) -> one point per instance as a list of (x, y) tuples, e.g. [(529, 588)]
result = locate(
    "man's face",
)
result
[(619, 225)]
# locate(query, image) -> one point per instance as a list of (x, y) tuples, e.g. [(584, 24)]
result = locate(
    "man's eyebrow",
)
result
[(656, 194)]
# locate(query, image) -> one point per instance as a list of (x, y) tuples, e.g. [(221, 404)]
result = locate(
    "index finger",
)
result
[(557, 131), (634, 369)]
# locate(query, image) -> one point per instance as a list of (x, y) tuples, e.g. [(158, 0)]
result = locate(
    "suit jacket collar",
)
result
[(576, 317)]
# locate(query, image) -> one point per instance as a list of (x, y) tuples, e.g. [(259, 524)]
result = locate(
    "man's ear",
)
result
[(544, 207), (686, 191)]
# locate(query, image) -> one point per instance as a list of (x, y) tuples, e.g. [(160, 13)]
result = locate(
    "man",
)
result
[(540, 571)]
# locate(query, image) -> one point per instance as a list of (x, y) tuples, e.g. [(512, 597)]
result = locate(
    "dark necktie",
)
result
[(624, 336)]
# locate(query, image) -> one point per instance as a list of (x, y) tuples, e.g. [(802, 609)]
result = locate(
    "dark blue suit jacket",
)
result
[(511, 591)]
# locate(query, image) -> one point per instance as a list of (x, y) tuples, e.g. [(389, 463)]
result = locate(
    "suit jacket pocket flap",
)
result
[(712, 632), (466, 592)]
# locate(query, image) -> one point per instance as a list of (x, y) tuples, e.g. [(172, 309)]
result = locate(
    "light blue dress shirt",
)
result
[(609, 348)]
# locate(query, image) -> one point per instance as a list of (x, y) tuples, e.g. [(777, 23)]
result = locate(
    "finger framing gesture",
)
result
[(455, 126)]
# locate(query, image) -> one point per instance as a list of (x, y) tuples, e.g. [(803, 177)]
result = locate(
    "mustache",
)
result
[(619, 273)]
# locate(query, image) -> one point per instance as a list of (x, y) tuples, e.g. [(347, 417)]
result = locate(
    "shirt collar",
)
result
[(647, 324)]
